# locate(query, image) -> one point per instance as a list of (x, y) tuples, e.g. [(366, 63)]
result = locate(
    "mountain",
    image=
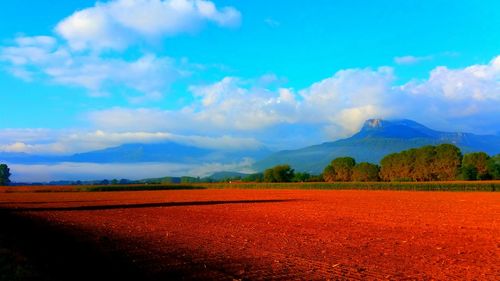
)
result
[(25, 158), (171, 152), (165, 152), (137, 152), (376, 139)]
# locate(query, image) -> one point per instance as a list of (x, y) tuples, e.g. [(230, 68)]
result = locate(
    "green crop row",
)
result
[(410, 186)]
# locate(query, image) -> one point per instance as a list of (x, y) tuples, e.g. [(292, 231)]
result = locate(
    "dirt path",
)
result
[(276, 234)]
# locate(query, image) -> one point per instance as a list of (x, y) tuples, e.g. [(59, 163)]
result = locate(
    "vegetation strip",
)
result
[(485, 186)]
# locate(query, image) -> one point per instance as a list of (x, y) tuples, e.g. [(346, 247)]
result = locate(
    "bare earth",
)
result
[(283, 234)]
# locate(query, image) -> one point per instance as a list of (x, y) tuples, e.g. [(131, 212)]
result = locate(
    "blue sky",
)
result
[(80, 75)]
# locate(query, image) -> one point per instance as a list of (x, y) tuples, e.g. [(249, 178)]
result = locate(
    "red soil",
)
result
[(286, 234)]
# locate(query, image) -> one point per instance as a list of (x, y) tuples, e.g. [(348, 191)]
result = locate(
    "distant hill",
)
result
[(171, 152), (138, 152), (25, 158), (376, 139)]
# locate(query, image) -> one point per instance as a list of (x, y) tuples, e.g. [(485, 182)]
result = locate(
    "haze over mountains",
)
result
[(376, 139)]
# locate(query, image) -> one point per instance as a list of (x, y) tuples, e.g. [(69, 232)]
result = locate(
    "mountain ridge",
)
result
[(142, 152), (376, 139)]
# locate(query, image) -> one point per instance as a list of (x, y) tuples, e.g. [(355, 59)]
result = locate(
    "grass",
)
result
[(139, 187), (410, 186)]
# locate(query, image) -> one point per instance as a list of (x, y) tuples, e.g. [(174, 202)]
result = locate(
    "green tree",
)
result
[(365, 172), (426, 163), (398, 166), (388, 167), (423, 169), (478, 160), (339, 170), (279, 173), (329, 173), (468, 173), (4, 174), (406, 167), (257, 177), (494, 167), (301, 177), (447, 162)]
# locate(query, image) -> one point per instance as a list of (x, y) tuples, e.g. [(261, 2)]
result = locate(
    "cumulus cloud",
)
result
[(349, 97), (235, 106), (41, 57), (464, 99), (117, 24), (231, 104), (461, 99), (246, 113), (73, 56)]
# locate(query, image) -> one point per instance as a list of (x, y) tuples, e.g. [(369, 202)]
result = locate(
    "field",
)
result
[(256, 234)]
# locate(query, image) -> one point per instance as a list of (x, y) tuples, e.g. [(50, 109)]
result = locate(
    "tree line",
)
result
[(443, 162)]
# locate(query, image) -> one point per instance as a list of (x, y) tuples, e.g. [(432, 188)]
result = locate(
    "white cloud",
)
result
[(245, 113), (26, 41), (459, 99), (16, 147), (234, 106), (31, 50), (464, 99), (348, 98), (408, 60), (73, 56), (42, 57), (116, 24), (476, 82), (230, 104)]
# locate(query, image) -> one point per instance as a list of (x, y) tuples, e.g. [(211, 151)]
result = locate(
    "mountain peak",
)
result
[(403, 128), (373, 123), (380, 123)]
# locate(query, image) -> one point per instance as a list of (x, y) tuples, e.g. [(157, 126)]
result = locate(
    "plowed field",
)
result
[(281, 234)]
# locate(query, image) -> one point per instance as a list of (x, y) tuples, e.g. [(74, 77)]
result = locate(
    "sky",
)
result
[(82, 75)]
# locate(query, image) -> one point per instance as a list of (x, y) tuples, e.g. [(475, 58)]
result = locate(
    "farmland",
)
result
[(248, 233)]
